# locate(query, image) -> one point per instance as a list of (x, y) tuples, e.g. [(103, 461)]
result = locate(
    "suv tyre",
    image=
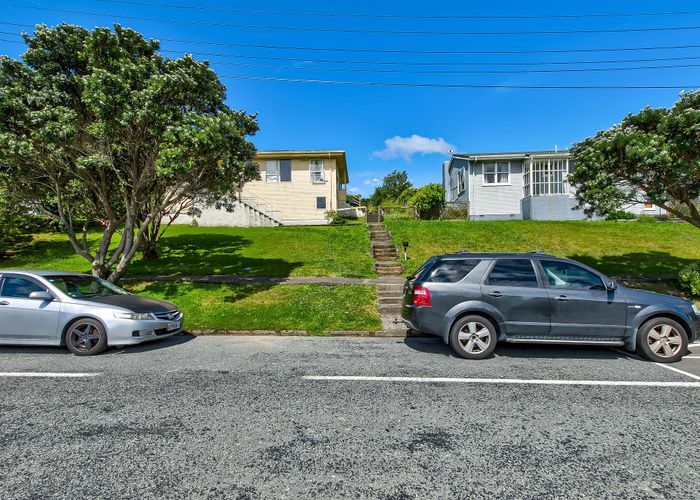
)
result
[(473, 337), (662, 340)]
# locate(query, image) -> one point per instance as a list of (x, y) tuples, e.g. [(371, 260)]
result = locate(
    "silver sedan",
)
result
[(84, 313)]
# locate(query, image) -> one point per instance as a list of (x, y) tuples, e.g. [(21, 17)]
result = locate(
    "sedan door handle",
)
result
[(4, 303), (495, 294), (563, 298)]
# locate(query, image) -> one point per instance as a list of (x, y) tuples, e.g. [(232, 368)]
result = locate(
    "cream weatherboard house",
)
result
[(295, 188)]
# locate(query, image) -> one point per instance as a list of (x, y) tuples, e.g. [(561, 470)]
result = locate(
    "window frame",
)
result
[(435, 266), (603, 279), (5, 277), (278, 171), (495, 164), (325, 202), (494, 262), (322, 179)]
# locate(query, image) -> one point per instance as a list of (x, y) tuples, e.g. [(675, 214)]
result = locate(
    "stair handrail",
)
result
[(258, 200)]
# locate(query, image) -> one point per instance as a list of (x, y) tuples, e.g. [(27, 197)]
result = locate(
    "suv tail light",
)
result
[(421, 296)]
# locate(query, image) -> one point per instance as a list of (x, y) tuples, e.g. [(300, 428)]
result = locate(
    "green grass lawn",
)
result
[(187, 250), (614, 248), (317, 309)]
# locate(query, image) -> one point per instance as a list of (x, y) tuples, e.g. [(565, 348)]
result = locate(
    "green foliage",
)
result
[(646, 218), (11, 232), (428, 200), (620, 215), (651, 156), (336, 218), (690, 279), (394, 186), (98, 126)]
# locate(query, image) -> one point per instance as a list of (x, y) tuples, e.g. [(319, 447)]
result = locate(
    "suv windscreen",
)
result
[(513, 272), (450, 271)]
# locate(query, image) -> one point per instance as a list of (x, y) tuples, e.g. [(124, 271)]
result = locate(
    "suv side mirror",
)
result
[(41, 296), (611, 286)]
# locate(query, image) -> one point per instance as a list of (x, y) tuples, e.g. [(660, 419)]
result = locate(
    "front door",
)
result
[(22, 318), (581, 304), (512, 287)]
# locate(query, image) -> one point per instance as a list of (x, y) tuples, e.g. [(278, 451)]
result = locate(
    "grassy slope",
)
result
[(187, 250), (615, 248), (314, 308)]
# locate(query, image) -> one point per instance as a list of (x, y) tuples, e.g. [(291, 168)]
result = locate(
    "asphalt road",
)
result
[(239, 418)]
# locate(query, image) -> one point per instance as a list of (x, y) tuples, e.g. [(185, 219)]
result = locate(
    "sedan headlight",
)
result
[(696, 309), (134, 316)]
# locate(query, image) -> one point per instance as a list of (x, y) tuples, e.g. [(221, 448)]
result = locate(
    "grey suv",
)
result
[(475, 300)]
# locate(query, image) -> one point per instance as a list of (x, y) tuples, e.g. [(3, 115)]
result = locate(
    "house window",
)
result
[(317, 173), (648, 205), (321, 202), (545, 177), (460, 181), (497, 173), (278, 170)]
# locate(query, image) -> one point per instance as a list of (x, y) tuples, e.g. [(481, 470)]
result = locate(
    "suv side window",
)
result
[(565, 275), (451, 271), (19, 288), (513, 272)]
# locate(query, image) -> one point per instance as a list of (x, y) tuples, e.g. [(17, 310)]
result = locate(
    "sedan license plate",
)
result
[(173, 326)]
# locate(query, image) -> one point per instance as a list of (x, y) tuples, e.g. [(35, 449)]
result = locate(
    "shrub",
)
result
[(428, 200), (620, 215), (336, 218), (646, 218), (690, 279)]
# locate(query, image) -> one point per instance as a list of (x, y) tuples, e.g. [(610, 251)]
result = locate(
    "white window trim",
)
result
[(277, 169), (463, 173), (496, 183), (312, 172)]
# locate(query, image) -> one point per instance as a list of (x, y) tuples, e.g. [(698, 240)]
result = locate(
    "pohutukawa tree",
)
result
[(653, 156), (98, 127)]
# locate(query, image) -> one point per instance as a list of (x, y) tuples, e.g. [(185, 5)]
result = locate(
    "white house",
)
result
[(517, 185)]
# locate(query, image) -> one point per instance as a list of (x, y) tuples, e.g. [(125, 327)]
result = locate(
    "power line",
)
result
[(358, 30), (400, 16), (410, 51), (454, 72), (420, 63), (461, 85)]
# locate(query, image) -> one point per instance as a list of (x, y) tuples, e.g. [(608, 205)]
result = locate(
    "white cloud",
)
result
[(406, 147), (354, 190), (372, 182)]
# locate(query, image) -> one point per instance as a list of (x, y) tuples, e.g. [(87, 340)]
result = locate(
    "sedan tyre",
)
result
[(662, 340), (473, 337), (86, 337)]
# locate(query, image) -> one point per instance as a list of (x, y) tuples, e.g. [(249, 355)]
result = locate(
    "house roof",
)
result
[(302, 154), (514, 155)]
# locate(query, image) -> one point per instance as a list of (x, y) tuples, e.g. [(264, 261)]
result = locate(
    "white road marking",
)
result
[(631, 356), (506, 381), (691, 357), (47, 375)]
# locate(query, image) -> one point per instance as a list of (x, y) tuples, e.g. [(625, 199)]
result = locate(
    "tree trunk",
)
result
[(149, 250)]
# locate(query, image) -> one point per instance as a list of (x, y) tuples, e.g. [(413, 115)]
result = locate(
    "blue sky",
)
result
[(387, 128)]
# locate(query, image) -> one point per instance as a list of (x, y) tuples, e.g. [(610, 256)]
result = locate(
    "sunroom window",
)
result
[(545, 177)]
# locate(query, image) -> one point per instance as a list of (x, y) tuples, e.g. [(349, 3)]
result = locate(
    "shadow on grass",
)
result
[(652, 263), (209, 254)]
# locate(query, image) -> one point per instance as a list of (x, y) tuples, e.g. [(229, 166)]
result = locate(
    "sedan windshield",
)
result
[(79, 287)]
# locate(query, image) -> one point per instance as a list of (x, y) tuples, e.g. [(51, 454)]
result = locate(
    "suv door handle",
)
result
[(495, 294), (4, 303), (563, 298)]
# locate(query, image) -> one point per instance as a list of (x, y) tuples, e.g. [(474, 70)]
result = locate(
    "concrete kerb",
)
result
[(303, 333)]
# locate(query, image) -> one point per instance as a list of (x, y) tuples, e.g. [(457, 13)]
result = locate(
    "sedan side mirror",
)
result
[(43, 296), (611, 286)]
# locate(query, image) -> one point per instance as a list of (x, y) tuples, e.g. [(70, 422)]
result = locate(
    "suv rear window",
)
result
[(513, 272), (450, 271)]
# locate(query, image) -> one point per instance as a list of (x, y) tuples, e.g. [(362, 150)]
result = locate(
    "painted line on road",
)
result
[(503, 381), (691, 357), (46, 375), (631, 356)]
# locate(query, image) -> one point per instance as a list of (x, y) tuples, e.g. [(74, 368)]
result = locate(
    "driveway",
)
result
[(291, 417)]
